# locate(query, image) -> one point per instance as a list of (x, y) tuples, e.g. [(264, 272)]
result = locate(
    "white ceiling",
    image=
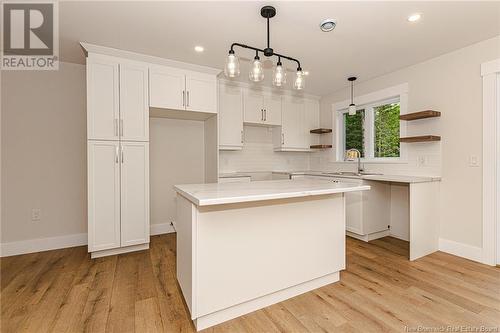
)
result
[(371, 38)]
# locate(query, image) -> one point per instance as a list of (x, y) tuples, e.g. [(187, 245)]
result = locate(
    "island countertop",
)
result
[(225, 193)]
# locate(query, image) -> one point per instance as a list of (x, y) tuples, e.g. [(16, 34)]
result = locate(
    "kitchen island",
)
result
[(244, 246)]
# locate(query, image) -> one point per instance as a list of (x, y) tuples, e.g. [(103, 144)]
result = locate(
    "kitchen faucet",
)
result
[(351, 154)]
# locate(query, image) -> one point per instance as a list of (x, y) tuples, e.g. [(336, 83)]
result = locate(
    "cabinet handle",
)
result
[(116, 127), (183, 98), (116, 154), (121, 127), (265, 114), (241, 136), (282, 138), (122, 153), (187, 98), (262, 114)]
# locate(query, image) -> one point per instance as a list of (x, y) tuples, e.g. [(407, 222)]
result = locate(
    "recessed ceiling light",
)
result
[(328, 25), (199, 48), (414, 17)]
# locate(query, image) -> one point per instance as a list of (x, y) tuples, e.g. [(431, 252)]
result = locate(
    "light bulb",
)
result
[(279, 74), (352, 109), (256, 73), (232, 68), (299, 80)]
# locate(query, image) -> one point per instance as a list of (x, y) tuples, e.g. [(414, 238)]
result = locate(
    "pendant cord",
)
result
[(268, 33), (352, 90)]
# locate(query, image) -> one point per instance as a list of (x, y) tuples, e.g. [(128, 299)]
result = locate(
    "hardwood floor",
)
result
[(381, 291)]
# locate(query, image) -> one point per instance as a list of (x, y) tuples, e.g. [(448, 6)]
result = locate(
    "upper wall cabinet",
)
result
[(230, 117), (117, 99), (312, 114), (294, 134), (178, 89), (262, 108), (102, 98)]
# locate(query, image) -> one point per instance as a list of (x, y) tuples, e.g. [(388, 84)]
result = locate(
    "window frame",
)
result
[(367, 102)]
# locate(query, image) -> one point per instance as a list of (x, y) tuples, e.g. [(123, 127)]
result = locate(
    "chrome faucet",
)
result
[(351, 154)]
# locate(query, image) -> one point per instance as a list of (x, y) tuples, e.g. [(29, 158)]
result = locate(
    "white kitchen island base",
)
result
[(261, 302), (237, 254)]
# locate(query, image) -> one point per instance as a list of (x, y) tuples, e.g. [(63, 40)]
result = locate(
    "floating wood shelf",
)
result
[(422, 138), (321, 130), (420, 115), (321, 146)]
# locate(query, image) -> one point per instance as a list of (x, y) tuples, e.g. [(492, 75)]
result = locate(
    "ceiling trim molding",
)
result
[(92, 48)]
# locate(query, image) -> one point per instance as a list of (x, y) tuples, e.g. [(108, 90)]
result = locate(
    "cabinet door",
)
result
[(102, 98), (293, 124), (103, 195), (312, 115), (253, 108), (134, 159), (201, 92), (230, 117), (272, 110), (134, 107), (166, 88)]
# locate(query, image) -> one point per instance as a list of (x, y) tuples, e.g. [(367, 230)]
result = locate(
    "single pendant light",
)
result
[(352, 106), (279, 78), (232, 68), (299, 80), (256, 74)]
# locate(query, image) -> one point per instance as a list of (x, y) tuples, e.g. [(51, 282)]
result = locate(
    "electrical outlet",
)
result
[(473, 161), (421, 161), (35, 214)]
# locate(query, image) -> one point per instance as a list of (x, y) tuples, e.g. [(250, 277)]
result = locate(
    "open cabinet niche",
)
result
[(183, 150)]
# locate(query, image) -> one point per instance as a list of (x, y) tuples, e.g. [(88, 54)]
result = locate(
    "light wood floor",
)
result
[(65, 291)]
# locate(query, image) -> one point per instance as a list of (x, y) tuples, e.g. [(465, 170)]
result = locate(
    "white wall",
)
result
[(451, 84), (258, 155), (43, 153), (177, 156)]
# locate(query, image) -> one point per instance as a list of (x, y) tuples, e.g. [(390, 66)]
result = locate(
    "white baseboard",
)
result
[(61, 242), (461, 250), (163, 228), (42, 244)]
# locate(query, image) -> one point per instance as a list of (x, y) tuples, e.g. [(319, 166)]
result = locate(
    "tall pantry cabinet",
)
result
[(117, 155)]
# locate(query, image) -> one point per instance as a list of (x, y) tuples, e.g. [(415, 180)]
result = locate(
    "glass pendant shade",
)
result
[(299, 81), (279, 76), (232, 68), (256, 73), (352, 109)]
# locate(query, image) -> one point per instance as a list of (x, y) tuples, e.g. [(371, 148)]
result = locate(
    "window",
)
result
[(374, 130)]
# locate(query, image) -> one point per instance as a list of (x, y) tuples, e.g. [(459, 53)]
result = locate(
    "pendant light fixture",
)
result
[(256, 74), (352, 106), (232, 68)]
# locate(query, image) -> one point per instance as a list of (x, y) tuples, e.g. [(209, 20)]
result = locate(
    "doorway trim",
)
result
[(490, 72)]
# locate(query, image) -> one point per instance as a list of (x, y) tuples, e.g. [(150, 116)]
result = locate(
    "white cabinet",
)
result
[(103, 173), (178, 89), (368, 212), (262, 108), (134, 107), (117, 105), (134, 176), (102, 98), (293, 133), (312, 114), (230, 117), (201, 92)]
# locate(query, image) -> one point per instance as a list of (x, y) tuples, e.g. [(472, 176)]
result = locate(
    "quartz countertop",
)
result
[(385, 178), (225, 193)]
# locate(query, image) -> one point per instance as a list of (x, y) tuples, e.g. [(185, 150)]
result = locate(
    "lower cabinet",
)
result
[(118, 195), (368, 212)]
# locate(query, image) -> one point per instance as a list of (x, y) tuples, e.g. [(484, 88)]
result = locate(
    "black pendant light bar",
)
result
[(256, 74)]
